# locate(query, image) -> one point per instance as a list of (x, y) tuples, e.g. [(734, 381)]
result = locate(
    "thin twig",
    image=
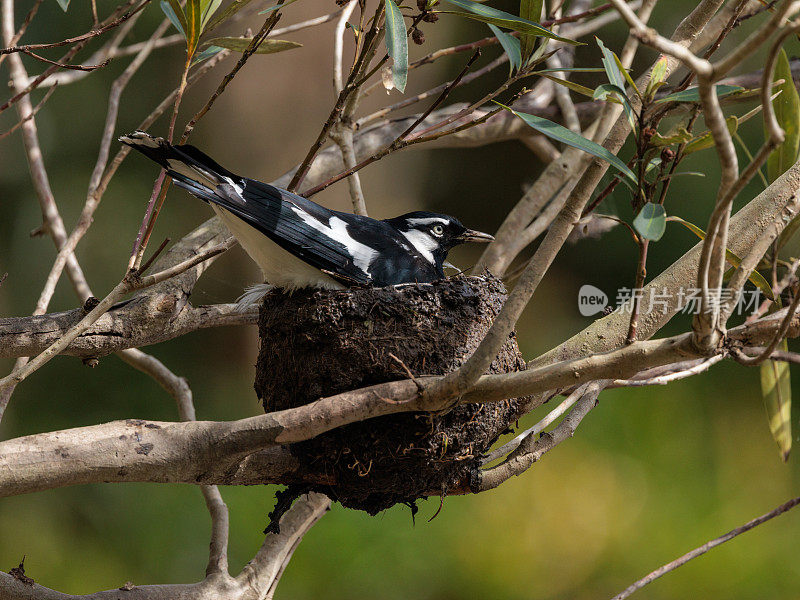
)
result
[(30, 116), (367, 51), (543, 424), (80, 38), (699, 551), (87, 68), (699, 366), (22, 28), (179, 389), (254, 45)]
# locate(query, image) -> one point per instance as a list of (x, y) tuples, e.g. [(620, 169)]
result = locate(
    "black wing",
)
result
[(311, 232), (316, 235)]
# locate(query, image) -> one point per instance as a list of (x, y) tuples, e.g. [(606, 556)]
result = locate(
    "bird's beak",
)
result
[(470, 235)]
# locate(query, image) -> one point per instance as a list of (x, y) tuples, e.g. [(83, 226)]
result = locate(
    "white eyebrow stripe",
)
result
[(336, 230), (424, 243), (428, 221)]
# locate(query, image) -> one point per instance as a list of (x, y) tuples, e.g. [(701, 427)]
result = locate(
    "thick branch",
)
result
[(245, 451)]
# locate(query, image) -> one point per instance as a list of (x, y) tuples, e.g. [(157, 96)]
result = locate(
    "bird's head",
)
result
[(434, 235)]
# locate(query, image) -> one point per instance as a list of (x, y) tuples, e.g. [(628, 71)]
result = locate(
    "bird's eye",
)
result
[(437, 230)]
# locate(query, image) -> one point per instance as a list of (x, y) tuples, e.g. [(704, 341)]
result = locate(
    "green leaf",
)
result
[(194, 28), (530, 10), (678, 136), (573, 70), (207, 10), (513, 24), (776, 389), (693, 94), (651, 221), (487, 14), (175, 14), (240, 44), (511, 45), (64, 4), (616, 79), (706, 140), (277, 7), (570, 138), (656, 77), (397, 45), (575, 87), (206, 54), (756, 278), (226, 14), (652, 164), (626, 75), (610, 66), (787, 112), (788, 232), (603, 91), (659, 70)]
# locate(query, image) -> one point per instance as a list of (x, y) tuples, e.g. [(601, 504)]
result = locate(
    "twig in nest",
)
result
[(420, 387)]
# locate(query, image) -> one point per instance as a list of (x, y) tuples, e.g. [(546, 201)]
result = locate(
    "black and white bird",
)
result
[(298, 243)]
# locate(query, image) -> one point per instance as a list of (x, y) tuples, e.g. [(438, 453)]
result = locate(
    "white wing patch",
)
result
[(424, 243), (428, 221), (336, 230), (239, 189)]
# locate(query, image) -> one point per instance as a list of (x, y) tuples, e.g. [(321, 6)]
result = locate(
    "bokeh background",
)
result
[(650, 474)]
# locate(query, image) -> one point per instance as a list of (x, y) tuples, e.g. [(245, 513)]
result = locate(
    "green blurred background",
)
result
[(650, 474)]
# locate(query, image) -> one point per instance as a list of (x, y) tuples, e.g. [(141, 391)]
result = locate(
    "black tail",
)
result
[(189, 167)]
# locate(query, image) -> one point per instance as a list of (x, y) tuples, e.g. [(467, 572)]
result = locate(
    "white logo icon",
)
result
[(591, 300)]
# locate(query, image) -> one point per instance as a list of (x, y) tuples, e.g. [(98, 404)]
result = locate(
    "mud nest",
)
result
[(320, 343)]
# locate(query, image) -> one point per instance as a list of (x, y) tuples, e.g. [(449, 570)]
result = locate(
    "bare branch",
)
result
[(218, 452), (262, 573), (531, 448), (74, 40), (179, 389)]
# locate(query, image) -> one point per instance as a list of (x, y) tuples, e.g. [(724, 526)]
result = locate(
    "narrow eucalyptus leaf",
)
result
[(193, 25), (787, 112), (693, 94), (487, 14), (510, 44), (240, 44), (226, 14), (603, 91), (206, 54), (756, 278), (776, 389), (397, 44), (277, 7), (706, 140), (657, 76), (570, 138), (530, 10), (575, 87), (613, 73), (178, 22), (208, 8)]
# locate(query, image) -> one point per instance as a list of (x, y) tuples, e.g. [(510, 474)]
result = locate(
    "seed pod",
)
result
[(418, 36), (430, 17)]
